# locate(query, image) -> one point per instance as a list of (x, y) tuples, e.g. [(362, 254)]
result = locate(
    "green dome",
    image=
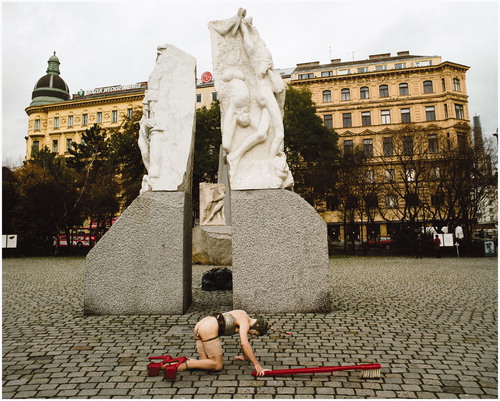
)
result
[(51, 88)]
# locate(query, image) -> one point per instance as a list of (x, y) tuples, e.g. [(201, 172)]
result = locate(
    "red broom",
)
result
[(370, 371)]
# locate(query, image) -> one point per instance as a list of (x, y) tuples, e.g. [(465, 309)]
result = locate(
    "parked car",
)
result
[(380, 242)]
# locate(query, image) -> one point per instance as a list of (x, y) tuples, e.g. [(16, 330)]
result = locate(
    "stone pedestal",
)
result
[(280, 253), (143, 263)]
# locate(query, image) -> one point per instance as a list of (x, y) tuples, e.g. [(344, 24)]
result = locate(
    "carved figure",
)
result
[(167, 124), (252, 103), (212, 204)]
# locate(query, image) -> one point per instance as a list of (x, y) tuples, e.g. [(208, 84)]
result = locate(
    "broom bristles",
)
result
[(370, 374)]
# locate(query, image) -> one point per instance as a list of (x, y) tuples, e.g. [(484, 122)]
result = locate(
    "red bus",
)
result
[(81, 236)]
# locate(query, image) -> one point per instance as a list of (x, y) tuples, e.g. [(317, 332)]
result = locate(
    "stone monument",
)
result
[(280, 253), (142, 265)]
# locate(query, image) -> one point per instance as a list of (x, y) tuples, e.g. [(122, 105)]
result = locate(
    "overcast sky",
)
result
[(114, 42)]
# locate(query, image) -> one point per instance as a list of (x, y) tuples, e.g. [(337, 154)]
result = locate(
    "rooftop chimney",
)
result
[(382, 55)]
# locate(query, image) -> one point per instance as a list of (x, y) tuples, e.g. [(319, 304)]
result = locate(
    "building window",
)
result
[(435, 173), (462, 142), (366, 119), (446, 111), (430, 113), (85, 119), (214, 96), (70, 121), (437, 200), (362, 70), (456, 84), (399, 66), (391, 201), (328, 120), (345, 94), (389, 175), (403, 89), (387, 145), (368, 147), (99, 117), (410, 174), (459, 111), (433, 143), (55, 146), (428, 87), (383, 90), (306, 76), (370, 176), (37, 125), (69, 144), (364, 92), (371, 201), (114, 116), (407, 145), (36, 146), (198, 98), (344, 72), (443, 84), (405, 116), (347, 120), (426, 63), (56, 122), (412, 199), (348, 146), (327, 73), (386, 116), (380, 67), (327, 96), (129, 113)]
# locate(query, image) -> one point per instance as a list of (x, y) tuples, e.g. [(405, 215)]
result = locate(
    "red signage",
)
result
[(206, 77)]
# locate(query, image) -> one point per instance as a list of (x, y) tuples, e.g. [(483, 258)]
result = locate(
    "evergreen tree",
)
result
[(48, 202), (208, 140), (96, 177), (126, 158), (310, 147)]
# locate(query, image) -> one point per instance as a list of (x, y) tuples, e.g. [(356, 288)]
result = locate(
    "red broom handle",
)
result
[(321, 369)]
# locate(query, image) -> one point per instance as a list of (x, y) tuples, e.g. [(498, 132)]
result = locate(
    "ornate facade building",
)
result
[(388, 106), (377, 105)]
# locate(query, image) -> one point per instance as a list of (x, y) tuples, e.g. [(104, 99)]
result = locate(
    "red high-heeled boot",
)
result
[(154, 367), (171, 370)]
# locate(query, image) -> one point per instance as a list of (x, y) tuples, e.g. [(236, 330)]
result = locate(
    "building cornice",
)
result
[(386, 73), (81, 103)]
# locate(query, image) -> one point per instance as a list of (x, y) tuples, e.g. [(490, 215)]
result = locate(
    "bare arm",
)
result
[(247, 349)]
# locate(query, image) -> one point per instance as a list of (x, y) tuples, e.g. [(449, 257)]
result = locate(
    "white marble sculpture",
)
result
[(212, 204), (252, 98), (166, 134)]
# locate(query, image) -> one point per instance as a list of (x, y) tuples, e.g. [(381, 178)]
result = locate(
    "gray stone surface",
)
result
[(433, 327), (280, 253), (143, 263), (212, 245)]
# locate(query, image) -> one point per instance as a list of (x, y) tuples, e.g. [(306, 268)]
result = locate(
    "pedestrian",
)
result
[(207, 333), (419, 246), (437, 246)]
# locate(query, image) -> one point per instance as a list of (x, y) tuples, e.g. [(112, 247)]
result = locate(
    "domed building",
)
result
[(51, 88)]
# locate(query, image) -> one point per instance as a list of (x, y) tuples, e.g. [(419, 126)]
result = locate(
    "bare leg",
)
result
[(259, 136)]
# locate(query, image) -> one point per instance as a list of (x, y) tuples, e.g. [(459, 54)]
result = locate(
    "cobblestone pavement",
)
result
[(433, 327)]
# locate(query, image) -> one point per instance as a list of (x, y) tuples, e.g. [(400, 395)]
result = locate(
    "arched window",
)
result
[(384, 90), (364, 92), (456, 84), (428, 87), (327, 96), (403, 89), (345, 94)]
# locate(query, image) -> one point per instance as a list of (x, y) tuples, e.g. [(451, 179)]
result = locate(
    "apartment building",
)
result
[(370, 102)]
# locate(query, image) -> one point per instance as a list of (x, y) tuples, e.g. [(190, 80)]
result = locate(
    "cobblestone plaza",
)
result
[(431, 324)]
